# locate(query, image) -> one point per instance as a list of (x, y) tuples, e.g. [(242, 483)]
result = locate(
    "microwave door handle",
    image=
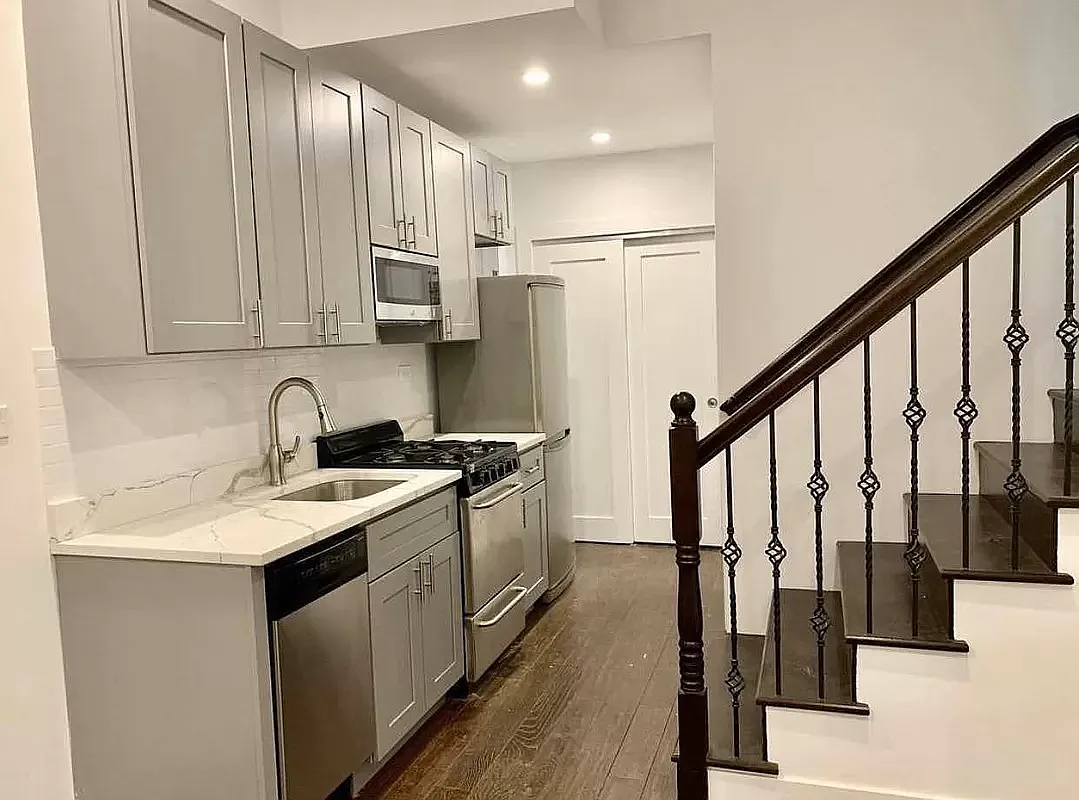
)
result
[(502, 496)]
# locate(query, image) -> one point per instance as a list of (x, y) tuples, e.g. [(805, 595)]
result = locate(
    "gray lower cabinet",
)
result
[(456, 236), (187, 111), (416, 638), (397, 653), (534, 508), (286, 210), (349, 305)]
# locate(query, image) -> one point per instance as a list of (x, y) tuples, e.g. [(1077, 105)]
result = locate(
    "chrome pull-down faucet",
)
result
[(278, 457)]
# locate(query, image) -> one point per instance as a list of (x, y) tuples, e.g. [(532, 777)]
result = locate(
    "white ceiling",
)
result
[(468, 78)]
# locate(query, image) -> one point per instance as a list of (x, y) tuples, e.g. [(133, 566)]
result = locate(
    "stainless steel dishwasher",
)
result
[(320, 643)]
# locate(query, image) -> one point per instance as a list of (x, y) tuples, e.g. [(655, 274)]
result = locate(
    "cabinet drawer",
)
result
[(398, 537), (532, 467)]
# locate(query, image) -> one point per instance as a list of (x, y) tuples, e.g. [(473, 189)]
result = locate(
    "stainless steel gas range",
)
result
[(492, 527)]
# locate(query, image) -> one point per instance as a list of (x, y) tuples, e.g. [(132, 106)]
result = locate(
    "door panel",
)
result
[(283, 161), (671, 290), (342, 200), (383, 154), (417, 181), (397, 653), (456, 251), (482, 192), (187, 106), (598, 386), (534, 508), (443, 619)]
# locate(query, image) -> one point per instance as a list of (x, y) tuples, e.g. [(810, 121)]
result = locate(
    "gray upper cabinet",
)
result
[(454, 224), (383, 153), (286, 209), (187, 113), (342, 203), (397, 653), (417, 181), (443, 632), (491, 198)]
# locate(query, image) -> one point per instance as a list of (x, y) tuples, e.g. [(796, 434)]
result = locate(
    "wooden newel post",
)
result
[(686, 526)]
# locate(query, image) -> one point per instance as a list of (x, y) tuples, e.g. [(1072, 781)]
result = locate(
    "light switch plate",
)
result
[(5, 433)]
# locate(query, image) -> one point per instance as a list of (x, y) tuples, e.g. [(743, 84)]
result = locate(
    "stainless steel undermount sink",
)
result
[(339, 491)]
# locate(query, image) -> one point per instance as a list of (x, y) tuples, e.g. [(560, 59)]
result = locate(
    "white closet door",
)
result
[(598, 384), (671, 316)]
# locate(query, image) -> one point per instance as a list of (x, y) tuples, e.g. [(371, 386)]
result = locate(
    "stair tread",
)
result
[(892, 612), (1043, 468), (752, 749), (940, 521), (798, 655)]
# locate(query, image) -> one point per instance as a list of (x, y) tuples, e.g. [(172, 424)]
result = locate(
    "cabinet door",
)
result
[(417, 181), (286, 209), (397, 653), (443, 618), (534, 508), (342, 208), (500, 176), (383, 154), (191, 164), (483, 193), (456, 240)]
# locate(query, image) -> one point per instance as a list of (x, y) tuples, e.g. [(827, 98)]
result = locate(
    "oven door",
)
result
[(493, 541), (406, 286)]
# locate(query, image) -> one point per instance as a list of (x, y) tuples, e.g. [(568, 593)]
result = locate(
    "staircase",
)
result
[(937, 666)]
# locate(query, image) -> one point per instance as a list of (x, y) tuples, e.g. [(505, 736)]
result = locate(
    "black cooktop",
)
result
[(382, 444)]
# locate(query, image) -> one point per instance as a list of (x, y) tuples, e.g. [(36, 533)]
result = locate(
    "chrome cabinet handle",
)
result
[(402, 235), (521, 592), (411, 242), (494, 224), (335, 312), (260, 329), (447, 325), (320, 332), (492, 503), (533, 470), (418, 571), (429, 584)]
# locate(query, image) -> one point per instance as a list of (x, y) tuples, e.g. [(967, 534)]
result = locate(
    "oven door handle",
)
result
[(492, 503), (521, 592)]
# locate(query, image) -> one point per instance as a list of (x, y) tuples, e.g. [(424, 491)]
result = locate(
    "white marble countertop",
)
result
[(253, 528), (524, 441)]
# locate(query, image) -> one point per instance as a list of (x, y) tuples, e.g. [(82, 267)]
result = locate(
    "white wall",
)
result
[(613, 194), (34, 755), (843, 131)]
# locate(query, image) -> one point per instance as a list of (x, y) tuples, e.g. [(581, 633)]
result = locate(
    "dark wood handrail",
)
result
[(910, 259), (1022, 184)]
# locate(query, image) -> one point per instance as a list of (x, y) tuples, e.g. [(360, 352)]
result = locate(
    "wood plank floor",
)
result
[(581, 706)]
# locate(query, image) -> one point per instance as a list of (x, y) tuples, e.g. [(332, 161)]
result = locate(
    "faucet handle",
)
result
[(290, 455)]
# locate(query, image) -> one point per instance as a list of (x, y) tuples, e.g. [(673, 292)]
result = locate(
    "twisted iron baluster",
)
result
[(775, 551), (914, 414), (1068, 333), (732, 553), (1016, 338), (966, 411), (869, 483), (818, 488)]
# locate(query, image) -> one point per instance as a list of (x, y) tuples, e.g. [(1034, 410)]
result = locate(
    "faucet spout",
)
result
[(278, 457)]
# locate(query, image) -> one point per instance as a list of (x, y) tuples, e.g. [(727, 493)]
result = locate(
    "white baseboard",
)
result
[(727, 785)]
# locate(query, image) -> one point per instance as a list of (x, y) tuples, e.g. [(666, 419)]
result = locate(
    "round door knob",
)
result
[(712, 402)]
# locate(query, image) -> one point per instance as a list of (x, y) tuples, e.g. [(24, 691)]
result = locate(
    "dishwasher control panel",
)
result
[(296, 580)]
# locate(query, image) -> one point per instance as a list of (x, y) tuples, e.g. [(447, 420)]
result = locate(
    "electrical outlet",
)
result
[(404, 372), (5, 432)]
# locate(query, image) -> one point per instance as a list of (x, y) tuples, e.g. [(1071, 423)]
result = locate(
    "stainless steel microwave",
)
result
[(406, 286)]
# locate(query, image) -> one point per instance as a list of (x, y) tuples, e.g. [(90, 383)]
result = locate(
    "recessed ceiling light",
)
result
[(536, 77), (601, 137)]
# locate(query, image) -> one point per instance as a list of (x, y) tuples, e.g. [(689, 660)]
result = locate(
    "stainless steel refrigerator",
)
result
[(514, 379)]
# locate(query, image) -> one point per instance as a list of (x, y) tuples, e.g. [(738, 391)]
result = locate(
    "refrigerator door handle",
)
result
[(550, 444)]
